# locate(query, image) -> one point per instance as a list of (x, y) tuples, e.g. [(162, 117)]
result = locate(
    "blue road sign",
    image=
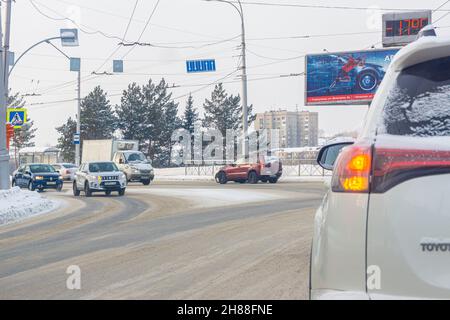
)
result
[(75, 64), (76, 138), (118, 66), (17, 117), (195, 66)]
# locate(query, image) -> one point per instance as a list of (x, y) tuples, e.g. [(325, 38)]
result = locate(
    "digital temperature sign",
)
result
[(402, 28)]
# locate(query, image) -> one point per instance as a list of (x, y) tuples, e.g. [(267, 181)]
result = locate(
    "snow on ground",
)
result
[(17, 204), (206, 198)]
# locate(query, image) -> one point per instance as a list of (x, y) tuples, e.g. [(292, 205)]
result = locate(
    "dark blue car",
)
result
[(37, 177)]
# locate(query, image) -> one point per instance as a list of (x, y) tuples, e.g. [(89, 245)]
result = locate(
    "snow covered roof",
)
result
[(38, 150), (424, 49)]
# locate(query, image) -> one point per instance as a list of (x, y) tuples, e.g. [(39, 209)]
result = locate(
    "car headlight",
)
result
[(60, 177), (122, 176), (135, 170), (39, 178), (93, 178)]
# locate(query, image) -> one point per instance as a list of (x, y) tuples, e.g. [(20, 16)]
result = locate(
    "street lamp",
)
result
[(68, 37), (244, 76)]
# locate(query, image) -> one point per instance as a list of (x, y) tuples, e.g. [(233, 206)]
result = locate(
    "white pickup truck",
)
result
[(124, 153)]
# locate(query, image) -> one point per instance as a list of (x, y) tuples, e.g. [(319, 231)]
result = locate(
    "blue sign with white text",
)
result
[(194, 66)]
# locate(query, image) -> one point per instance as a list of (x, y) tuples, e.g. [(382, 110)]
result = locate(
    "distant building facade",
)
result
[(296, 129)]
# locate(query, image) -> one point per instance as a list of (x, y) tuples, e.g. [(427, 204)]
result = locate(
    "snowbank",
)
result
[(17, 204)]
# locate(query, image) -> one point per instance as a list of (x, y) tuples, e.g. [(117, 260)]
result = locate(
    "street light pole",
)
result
[(6, 47), (77, 146), (245, 148)]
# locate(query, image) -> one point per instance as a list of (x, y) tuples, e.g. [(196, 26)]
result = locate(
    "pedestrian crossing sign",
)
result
[(17, 117)]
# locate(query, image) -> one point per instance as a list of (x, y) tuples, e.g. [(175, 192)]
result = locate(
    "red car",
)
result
[(266, 169)]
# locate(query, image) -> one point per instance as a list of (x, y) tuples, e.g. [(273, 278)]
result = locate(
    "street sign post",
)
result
[(17, 117), (196, 66)]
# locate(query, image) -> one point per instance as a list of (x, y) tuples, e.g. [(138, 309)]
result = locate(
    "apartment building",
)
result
[(296, 129)]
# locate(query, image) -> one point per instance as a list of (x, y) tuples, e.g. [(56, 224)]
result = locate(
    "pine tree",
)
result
[(65, 140), (224, 111), (98, 120), (130, 113), (190, 116), (160, 120)]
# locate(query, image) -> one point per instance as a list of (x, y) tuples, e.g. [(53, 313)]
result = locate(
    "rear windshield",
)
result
[(103, 167), (41, 168), (419, 104), (69, 166)]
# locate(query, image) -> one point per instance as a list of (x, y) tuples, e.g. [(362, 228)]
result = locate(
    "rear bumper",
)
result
[(329, 294), (141, 177)]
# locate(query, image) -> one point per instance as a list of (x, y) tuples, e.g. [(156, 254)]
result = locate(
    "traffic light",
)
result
[(9, 134)]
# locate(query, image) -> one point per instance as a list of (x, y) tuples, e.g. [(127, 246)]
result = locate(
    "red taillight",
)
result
[(67, 172), (361, 168), (352, 170), (394, 166)]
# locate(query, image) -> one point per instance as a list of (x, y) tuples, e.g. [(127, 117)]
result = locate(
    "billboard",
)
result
[(345, 77)]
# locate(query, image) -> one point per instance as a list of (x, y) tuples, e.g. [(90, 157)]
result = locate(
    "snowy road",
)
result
[(170, 240)]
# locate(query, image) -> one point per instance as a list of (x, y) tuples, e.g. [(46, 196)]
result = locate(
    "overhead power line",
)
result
[(313, 6)]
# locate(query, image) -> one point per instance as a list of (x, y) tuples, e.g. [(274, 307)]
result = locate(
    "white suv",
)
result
[(99, 177), (383, 230)]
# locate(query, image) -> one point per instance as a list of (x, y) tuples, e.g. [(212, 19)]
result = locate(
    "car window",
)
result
[(102, 167), (419, 104), (41, 168), (69, 166)]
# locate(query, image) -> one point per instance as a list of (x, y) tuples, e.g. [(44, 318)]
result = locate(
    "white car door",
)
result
[(408, 233)]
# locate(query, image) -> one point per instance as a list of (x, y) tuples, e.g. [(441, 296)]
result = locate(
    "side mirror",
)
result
[(121, 161), (328, 154), (28, 173)]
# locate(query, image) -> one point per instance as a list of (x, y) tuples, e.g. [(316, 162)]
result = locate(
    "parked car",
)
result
[(99, 177), (66, 170), (37, 176), (382, 230), (264, 169)]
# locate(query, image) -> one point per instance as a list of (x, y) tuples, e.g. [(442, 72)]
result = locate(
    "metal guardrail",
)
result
[(299, 168)]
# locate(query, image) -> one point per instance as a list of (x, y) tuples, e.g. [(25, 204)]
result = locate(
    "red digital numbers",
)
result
[(405, 27)]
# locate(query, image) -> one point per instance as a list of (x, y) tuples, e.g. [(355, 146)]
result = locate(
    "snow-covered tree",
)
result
[(130, 113), (190, 116), (98, 120), (65, 140), (224, 111)]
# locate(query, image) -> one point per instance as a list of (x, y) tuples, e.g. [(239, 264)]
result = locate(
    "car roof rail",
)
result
[(427, 31)]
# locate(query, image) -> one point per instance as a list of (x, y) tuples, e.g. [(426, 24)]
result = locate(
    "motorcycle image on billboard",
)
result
[(346, 77)]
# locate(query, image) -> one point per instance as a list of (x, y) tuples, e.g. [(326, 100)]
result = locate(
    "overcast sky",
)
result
[(190, 23)]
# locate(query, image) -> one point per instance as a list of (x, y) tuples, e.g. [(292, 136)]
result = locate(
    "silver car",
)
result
[(99, 177), (66, 170)]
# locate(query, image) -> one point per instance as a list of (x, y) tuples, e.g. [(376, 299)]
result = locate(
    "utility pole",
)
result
[(245, 148), (245, 141), (77, 146), (4, 154)]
